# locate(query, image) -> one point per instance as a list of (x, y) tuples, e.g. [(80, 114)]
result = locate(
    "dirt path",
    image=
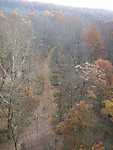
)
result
[(40, 132), (47, 105)]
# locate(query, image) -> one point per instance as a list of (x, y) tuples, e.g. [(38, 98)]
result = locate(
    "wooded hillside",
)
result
[(56, 77)]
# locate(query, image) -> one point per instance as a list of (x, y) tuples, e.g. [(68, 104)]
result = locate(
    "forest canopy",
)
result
[(56, 77)]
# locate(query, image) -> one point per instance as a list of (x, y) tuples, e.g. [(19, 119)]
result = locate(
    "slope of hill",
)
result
[(56, 76), (25, 7)]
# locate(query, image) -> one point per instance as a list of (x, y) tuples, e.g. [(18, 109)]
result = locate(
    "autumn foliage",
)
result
[(104, 64), (2, 14), (108, 109), (47, 13), (14, 13), (98, 146), (95, 43), (76, 117), (107, 67), (28, 91)]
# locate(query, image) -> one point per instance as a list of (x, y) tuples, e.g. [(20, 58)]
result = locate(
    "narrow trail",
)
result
[(47, 106), (40, 130)]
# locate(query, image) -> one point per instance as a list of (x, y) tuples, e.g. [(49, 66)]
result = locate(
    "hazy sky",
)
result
[(103, 4)]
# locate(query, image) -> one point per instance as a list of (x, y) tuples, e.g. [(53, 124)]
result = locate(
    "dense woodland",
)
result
[(56, 77)]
